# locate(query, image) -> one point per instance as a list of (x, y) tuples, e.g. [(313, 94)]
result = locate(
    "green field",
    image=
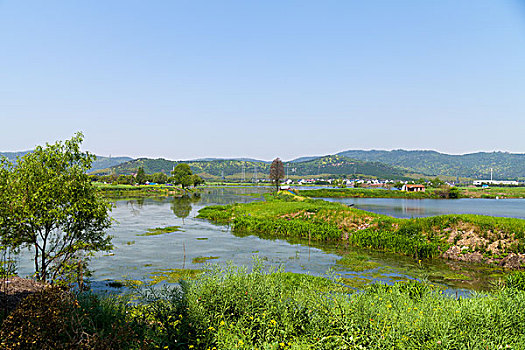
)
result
[(463, 192)]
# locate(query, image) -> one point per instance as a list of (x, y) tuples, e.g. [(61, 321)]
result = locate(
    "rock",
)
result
[(511, 261)]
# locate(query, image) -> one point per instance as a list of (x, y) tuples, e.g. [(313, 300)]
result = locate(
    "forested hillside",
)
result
[(233, 168), (475, 165), (99, 163)]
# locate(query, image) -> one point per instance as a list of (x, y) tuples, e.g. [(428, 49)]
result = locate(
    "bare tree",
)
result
[(276, 172)]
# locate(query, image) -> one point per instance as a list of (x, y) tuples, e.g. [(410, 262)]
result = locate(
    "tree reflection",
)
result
[(135, 205), (181, 206)]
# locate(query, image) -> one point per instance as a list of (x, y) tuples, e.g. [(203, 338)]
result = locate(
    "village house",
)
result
[(413, 188)]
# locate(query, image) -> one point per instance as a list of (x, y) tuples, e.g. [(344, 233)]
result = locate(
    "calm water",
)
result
[(138, 257), (407, 208)]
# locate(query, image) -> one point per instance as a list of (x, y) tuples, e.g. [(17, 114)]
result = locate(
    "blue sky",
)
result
[(261, 79)]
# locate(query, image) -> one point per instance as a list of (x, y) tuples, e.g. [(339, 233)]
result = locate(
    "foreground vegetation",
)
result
[(460, 237), (231, 308)]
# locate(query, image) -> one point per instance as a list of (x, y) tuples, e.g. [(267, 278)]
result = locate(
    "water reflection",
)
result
[(135, 205), (181, 206), (407, 208)]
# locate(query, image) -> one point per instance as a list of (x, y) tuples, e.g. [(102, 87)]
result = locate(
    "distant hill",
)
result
[(11, 156), (304, 159), (108, 162), (209, 169), (239, 159), (98, 164), (340, 165), (506, 166), (233, 169)]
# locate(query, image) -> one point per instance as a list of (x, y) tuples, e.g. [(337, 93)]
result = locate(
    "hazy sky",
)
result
[(190, 79)]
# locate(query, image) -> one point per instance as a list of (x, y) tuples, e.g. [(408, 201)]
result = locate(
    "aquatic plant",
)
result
[(160, 231)]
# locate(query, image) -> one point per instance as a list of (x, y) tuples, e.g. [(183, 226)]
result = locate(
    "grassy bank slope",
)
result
[(459, 237)]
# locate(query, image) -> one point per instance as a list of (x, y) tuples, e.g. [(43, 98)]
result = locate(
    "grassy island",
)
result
[(111, 191), (475, 238)]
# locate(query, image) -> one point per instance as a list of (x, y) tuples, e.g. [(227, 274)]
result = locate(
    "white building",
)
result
[(495, 182)]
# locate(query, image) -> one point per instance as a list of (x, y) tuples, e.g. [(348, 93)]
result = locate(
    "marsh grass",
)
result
[(203, 259), (232, 307), (357, 262), (160, 231), (288, 216)]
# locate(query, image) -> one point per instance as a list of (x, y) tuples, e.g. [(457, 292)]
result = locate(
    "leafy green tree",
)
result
[(54, 208), (182, 175), (196, 180), (4, 199), (453, 192), (125, 180), (339, 183), (7, 251), (437, 182), (159, 178), (141, 176), (276, 172)]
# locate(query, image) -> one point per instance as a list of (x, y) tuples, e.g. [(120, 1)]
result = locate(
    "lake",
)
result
[(407, 208), (144, 258)]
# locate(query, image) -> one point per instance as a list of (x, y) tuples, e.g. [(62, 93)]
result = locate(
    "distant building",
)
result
[(495, 182), (413, 188)]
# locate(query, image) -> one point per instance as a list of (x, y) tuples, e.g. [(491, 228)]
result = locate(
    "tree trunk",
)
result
[(36, 262)]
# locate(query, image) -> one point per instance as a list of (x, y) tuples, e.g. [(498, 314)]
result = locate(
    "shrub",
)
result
[(54, 319)]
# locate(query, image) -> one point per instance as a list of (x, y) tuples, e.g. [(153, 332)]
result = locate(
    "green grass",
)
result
[(493, 192), (160, 231), (236, 308), (132, 192)]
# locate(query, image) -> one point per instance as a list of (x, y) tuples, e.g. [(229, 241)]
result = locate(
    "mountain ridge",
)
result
[(234, 169), (99, 163)]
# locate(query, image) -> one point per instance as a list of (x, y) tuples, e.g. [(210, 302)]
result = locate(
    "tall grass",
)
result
[(318, 230), (233, 308)]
